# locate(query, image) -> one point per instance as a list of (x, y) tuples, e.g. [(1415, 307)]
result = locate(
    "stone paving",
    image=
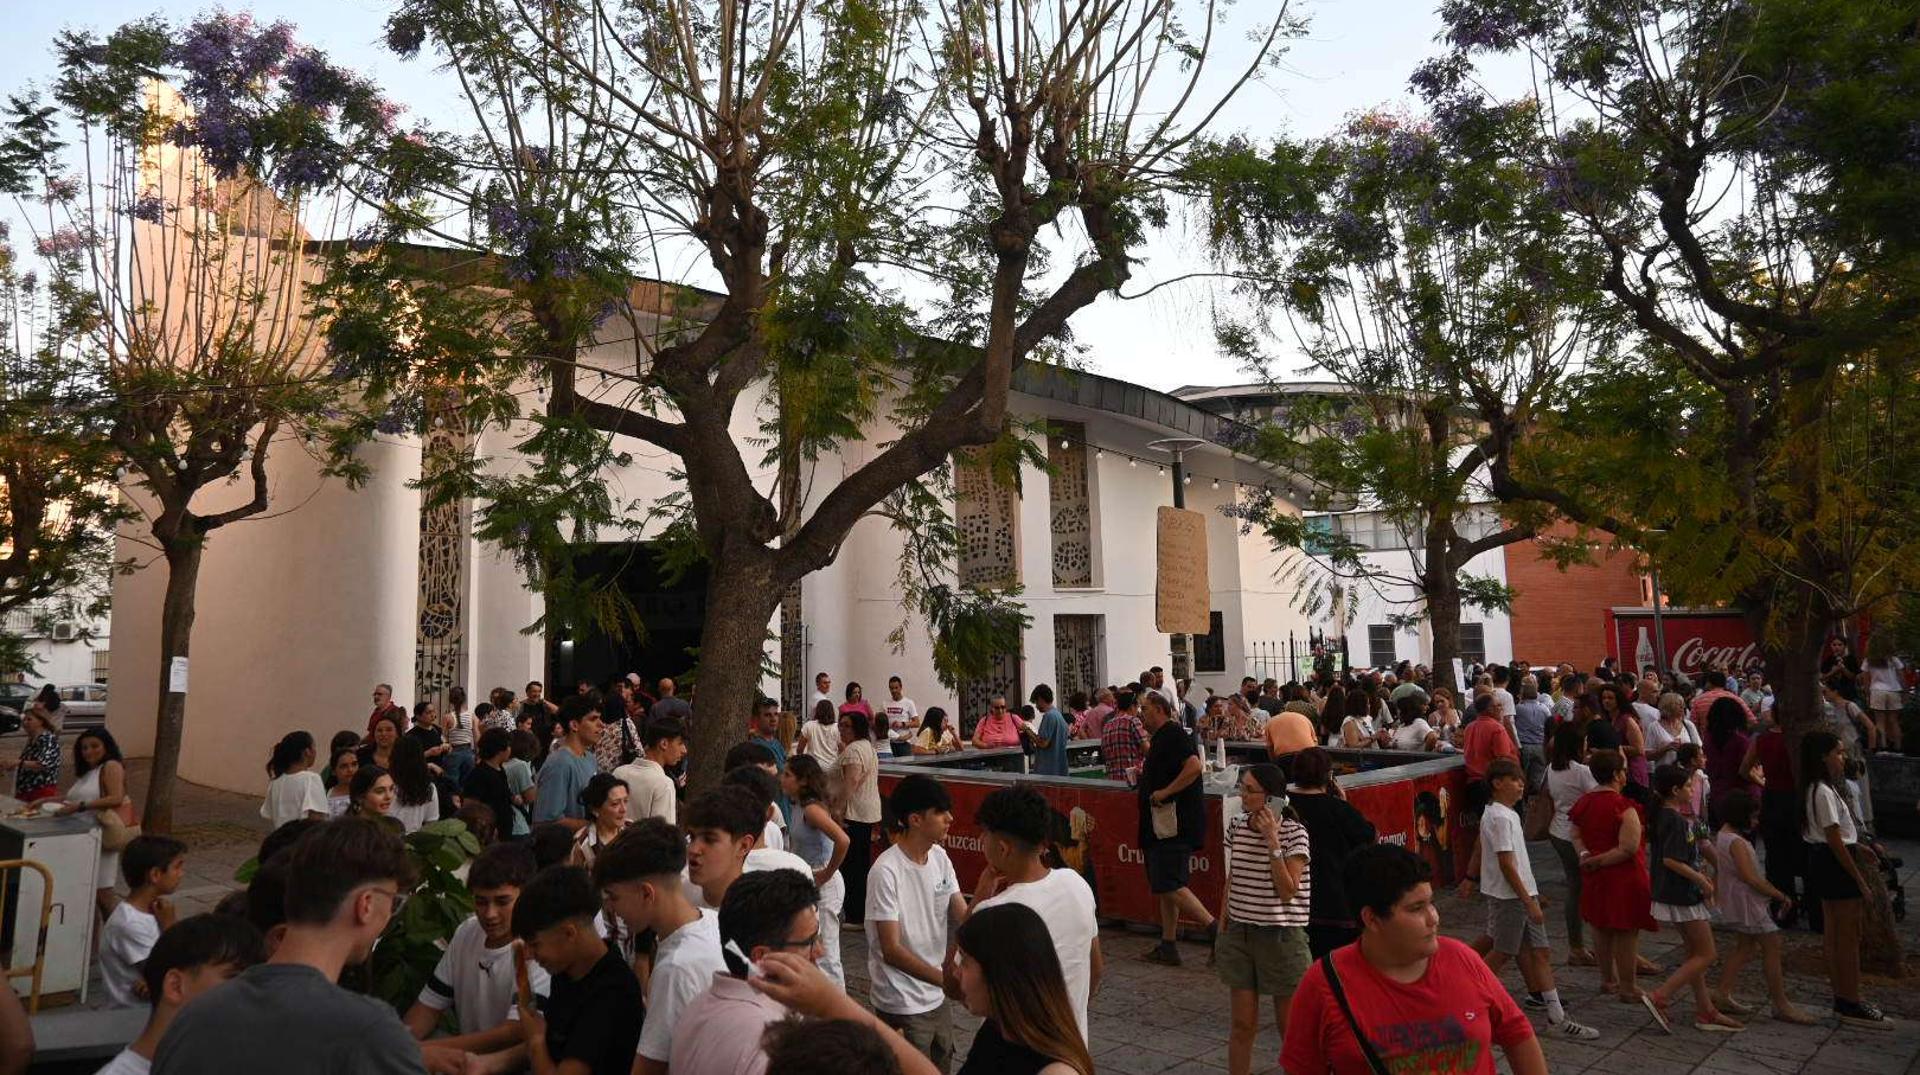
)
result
[(1148, 1019)]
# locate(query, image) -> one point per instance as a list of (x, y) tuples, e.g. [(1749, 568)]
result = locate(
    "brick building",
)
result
[(1559, 615)]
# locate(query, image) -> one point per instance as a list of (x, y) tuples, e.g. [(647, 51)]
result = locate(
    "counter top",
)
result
[(1398, 765)]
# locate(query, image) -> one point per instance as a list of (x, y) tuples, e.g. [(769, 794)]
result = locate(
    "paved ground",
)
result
[(1148, 1018)]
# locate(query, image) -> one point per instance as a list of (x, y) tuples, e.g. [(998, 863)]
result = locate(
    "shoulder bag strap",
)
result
[(1374, 1063)]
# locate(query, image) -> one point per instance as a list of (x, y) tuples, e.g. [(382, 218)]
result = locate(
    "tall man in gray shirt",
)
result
[(345, 881)]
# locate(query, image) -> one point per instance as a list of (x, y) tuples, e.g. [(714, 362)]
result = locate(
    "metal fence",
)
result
[(1295, 657)]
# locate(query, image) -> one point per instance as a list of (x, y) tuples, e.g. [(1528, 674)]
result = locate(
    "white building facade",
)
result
[(300, 613)]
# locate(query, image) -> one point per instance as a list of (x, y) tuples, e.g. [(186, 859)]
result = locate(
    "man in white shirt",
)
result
[(196, 955), (822, 692), (1013, 823), (913, 898), (903, 717), (1646, 703), (1159, 687), (1503, 698), (639, 878), (475, 975), (650, 791), (724, 828)]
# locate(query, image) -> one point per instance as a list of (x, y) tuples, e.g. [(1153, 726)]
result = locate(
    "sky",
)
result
[(1356, 55)]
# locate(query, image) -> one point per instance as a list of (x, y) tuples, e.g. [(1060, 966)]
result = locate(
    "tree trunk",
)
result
[(1443, 619), (742, 596), (176, 636)]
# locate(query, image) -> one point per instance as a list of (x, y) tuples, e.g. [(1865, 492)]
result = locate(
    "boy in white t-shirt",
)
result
[(903, 717), (1516, 921), (639, 877), (153, 867), (1013, 823), (475, 976), (913, 900), (193, 956)]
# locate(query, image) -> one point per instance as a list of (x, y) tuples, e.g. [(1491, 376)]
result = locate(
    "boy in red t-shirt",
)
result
[(1424, 1002)]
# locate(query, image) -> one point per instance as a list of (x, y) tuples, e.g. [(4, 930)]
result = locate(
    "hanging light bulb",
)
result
[(1099, 453), (1160, 470), (1063, 444), (1186, 480), (1133, 462), (1216, 483)]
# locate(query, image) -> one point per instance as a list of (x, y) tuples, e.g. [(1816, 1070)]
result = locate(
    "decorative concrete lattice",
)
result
[(1070, 506), (440, 639)]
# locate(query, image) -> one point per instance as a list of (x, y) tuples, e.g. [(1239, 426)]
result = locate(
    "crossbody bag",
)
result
[(1374, 1064)]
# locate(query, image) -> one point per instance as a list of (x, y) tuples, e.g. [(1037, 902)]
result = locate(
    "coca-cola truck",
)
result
[(1697, 639)]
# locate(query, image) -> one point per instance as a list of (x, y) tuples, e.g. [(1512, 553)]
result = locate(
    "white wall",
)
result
[(299, 614), (1416, 643)]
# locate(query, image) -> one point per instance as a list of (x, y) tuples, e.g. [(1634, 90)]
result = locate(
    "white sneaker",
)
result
[(1567, 1028)]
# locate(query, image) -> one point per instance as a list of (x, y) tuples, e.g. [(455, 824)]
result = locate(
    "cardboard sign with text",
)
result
[(1182, 594)]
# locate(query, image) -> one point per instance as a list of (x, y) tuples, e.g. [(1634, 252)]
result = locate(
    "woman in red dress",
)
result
[(1616, 897)]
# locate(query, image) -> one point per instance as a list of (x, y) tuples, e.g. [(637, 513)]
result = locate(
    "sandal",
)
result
[(1717, 1023), (1659, 1009), (1731, 1006), (1580, 957), (1647, 968)]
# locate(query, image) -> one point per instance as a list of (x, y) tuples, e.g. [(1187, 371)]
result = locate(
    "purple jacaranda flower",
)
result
[(313, 82), (148, 207), (61, 241), (406, 32)]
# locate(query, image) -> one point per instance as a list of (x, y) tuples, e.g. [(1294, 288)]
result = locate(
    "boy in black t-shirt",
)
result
[(487, 783), (593, 1013)]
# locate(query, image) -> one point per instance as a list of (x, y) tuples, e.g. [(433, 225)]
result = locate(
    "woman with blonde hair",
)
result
[(1010, 976)]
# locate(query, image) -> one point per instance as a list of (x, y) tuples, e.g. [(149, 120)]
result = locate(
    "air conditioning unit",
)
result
[(65, 631)]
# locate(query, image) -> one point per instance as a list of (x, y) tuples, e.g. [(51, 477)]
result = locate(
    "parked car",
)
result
[(14, 699), (85, 705)]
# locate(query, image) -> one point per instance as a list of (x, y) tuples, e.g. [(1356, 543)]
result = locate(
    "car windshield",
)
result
[(15, 693)]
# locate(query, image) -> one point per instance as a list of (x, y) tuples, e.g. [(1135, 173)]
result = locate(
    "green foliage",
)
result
[(1745, 178), (1424, 272), (405, 957)]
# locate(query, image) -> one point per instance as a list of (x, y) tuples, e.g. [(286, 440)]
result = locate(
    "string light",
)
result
[(1133, 461)]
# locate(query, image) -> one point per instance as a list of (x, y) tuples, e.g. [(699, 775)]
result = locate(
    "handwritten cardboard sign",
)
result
[(1181, 592)]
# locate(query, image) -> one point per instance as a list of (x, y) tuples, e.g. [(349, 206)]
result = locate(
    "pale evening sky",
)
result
[(1356, 55)]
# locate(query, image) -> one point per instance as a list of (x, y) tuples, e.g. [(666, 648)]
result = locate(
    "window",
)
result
[(1210, 650), (99, 666), (1381, 652), (1076, 654), (1473, 643)]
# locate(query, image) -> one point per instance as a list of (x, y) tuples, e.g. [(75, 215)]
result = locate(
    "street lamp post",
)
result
[(1659, 619)]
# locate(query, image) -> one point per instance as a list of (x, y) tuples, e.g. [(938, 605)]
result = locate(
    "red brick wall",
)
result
[(1558, 615)]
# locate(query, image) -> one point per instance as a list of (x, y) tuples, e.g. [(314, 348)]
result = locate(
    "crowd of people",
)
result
[(622, 925)]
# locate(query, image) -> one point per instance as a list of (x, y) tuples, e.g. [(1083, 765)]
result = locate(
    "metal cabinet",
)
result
[(69, 847)]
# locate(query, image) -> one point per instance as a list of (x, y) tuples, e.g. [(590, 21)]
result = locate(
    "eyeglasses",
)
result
[(399, 899), (804, 943)]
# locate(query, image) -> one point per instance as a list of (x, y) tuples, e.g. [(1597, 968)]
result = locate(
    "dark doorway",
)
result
[(671, 613)]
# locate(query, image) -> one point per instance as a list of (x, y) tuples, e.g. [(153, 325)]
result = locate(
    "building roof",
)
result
[(1168, 411)]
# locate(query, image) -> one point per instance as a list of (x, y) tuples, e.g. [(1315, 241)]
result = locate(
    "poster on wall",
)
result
[(1181, 593)]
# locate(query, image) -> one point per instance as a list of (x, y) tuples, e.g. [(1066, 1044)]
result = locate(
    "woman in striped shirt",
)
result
[(1261, 949)]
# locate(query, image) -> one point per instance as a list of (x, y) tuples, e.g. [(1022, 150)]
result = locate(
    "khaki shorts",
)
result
[(1268, 960), (929, 1032), (1510, 928)]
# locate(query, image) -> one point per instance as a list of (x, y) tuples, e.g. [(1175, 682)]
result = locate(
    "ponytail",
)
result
[(287, 752)]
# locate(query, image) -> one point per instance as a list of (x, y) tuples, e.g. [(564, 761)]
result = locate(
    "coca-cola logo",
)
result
[(1694, 656)]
